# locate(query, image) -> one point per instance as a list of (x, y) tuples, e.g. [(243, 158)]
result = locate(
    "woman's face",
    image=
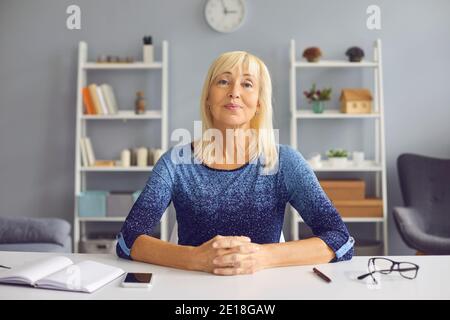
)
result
[(233, 99)]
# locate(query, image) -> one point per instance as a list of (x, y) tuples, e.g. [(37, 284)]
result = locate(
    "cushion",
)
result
[(30, 230)]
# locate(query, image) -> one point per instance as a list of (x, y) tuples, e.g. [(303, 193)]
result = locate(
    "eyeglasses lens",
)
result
[(382, 265), (408, 270)]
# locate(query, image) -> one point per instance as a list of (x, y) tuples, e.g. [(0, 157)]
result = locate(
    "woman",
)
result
[(230, 213)]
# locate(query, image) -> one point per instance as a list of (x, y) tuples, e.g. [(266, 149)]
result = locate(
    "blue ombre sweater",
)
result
[(244, 201)]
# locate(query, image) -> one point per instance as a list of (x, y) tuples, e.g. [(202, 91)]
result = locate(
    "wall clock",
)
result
[(225, 15)]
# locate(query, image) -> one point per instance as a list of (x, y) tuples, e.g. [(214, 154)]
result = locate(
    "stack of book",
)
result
[(99, 99), (88, 156)]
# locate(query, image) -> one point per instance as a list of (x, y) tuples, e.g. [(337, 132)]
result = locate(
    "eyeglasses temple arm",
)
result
[(363, 276), (368, 274)]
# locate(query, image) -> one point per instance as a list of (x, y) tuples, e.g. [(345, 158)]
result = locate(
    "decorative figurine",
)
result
[(354, 54), (102, 58), (142, 157), (312, 54), (140, 103), (125, 157), (147, 50)]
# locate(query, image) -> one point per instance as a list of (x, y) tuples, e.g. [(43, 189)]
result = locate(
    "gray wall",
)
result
[(38, 61)]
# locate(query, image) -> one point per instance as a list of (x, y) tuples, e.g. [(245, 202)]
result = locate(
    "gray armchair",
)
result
[(424, 222), (35, 234)]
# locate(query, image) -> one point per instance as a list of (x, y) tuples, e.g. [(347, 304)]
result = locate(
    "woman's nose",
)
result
[(234, 90), (234, 93)]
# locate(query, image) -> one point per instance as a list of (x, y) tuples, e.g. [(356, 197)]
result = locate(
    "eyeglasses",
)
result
[(407, 270)]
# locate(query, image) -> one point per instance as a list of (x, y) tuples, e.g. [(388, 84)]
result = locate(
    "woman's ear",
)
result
[(258, 109)]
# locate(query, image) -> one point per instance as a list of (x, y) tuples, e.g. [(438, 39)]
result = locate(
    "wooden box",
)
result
[(344, 189), (356, 107), (356, 101), (367, 208)]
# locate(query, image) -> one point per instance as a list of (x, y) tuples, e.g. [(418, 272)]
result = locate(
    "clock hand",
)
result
[(225, 11)]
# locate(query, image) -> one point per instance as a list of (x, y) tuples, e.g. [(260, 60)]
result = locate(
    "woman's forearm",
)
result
[(293, 253), (155, 251)]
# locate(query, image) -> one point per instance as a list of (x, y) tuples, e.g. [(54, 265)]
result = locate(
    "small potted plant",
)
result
[(337, 157), (318, 98), (355, 54), (312, 54)]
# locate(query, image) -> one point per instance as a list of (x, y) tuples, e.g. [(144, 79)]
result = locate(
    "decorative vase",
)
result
[(358, 158), (315, 160), (338, 162), (318, 106), (140, 103)]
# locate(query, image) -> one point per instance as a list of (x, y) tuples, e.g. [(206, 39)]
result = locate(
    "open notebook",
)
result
[(61, 273)]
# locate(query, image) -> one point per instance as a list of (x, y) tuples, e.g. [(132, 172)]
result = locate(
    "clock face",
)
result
[(225, 15)]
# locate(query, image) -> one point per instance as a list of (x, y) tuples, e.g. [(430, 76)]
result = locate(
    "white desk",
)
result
[(291, 283)]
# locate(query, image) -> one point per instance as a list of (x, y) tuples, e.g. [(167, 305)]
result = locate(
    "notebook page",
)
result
[(86, 276), (32, 271)]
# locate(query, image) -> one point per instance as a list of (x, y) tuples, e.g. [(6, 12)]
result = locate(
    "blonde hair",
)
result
[(262, 122)]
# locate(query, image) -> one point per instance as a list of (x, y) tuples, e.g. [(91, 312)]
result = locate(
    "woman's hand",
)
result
[(229, 256)]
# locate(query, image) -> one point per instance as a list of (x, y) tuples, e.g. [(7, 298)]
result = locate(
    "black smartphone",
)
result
[(138, 280)]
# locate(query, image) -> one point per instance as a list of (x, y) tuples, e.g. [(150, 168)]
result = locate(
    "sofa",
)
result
[(35, 234)]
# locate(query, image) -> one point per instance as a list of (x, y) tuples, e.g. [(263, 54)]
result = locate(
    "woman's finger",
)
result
[(233, 271), (242, 248), (228, 271), (234, 260), (248, 248), (230, 242), (228, 260)]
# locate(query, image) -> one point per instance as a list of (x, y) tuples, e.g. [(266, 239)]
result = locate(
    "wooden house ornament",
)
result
[(356, 101)]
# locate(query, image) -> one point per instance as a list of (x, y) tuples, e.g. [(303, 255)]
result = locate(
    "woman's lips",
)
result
[(232, 106)]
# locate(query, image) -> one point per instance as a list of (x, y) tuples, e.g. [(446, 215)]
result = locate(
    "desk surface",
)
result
[(291, 283)]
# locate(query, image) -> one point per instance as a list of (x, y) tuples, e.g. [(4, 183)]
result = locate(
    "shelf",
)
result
[(336, 64), (333, 114), (125, 115), (375, 166), (102, 219), (121, 66), (368, 165), (116, 169)]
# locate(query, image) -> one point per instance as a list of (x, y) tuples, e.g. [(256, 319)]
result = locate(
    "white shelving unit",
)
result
[(82, 121), (377, 165)]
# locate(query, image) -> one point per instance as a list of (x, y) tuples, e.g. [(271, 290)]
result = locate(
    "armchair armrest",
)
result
[(410, 224), (409, 216), (414, 231)]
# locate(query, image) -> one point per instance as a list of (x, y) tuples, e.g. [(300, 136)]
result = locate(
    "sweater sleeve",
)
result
[(307, 196), (148, 208)]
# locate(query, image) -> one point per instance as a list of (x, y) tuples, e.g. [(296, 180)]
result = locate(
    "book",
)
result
[(104, 163), (90, 151), (101, 98), (95, 99), (108, 94), (89, 107), (60, 273), (84, 158)]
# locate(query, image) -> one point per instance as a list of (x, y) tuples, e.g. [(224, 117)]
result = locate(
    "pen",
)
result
[(4, 267), (320, 274)]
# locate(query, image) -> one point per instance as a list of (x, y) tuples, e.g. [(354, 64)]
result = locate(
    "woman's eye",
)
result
[(222, 81), (248, 85)]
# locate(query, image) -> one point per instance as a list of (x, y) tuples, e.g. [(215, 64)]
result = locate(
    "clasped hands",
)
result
[(229, 255)]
